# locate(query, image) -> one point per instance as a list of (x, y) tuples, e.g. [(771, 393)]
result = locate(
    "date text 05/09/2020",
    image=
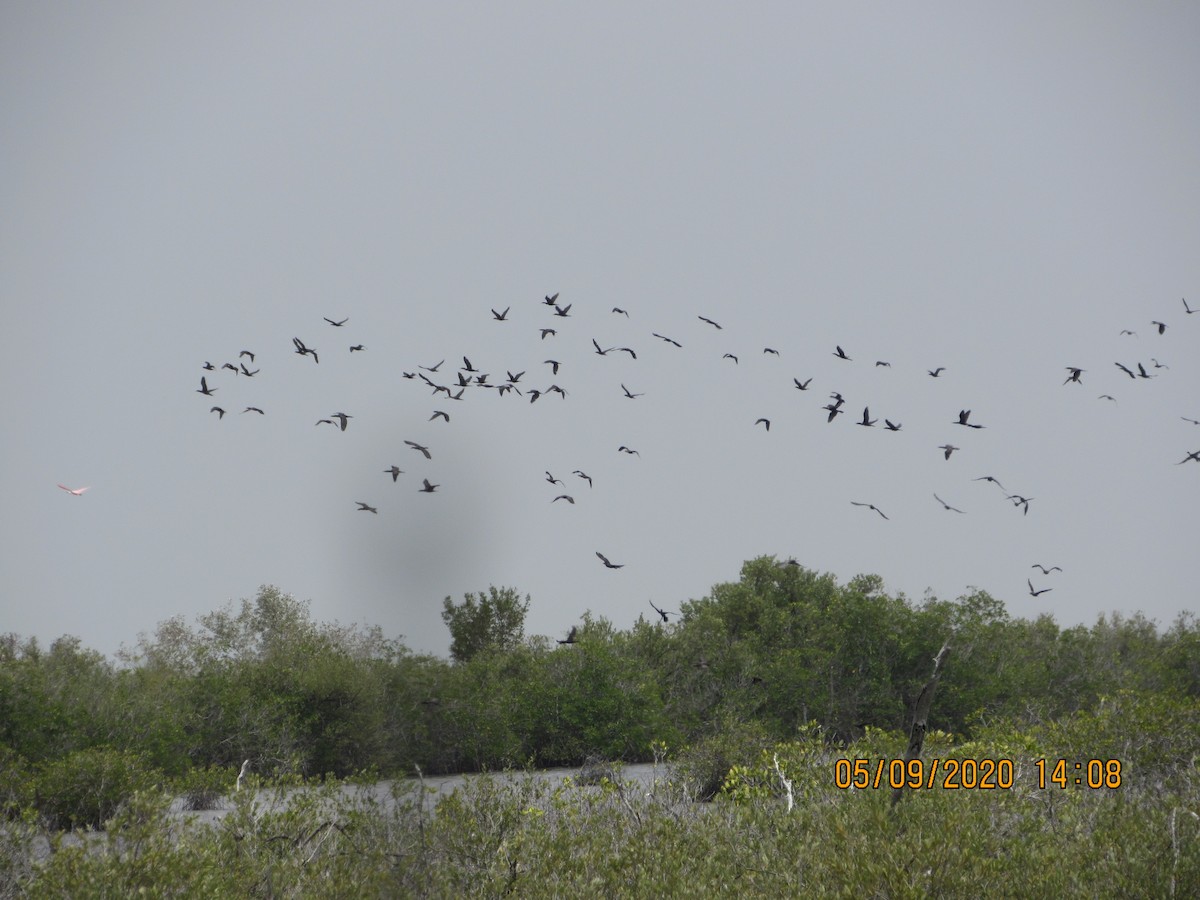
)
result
[(972, 774)]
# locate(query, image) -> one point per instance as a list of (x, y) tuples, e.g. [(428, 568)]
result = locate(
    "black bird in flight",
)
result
[(1157, 364), (963, 415), (880, 362), (247, 353), (710, 322), (611, 565), (556, 389), (598, 350), (1161, 326), (835, 409), (247, 372), (551, 299), (949, 448), (1127, 371), (802, 385), (513, 379), (417, 446), (1018, 500), (624, 449), (1142, 373), (204, 388), (566, 497), (427, 488), (550, 478), (766, 422), (395, 472), (837, 398), (730, 356), (362, 507), (232, 367), (1190, 457), (841, 354), (770, 350), (1107, 397), (431, 368), (992, 480), (1193, 421), (467, 367), (626, 350), (547, 331), (946, 505), (501, 317), (1032, 592), (663, 337), (437, 413), (662, 612), (208, 367), (866, 419), (1187, 308), (936, 372), (631, 396), (220, 412), (553, 364), (562, 310), (341, 417), (1074, 376), (890, 425), (869, 506), (1126, 331), (622, 312), (254, 409), (584, 476), (324, 422), (336, 324), (355, 348), (1046, 571), (570, 638)]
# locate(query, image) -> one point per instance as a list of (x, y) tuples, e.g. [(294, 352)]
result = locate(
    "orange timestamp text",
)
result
[(948, 774)]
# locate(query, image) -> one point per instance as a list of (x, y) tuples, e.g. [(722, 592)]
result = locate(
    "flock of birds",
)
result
[(454, 386)]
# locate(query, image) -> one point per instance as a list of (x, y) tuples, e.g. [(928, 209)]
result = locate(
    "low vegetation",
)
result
[(751, 697)]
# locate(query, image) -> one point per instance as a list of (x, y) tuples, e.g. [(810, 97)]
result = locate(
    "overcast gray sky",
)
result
[(999, 191)]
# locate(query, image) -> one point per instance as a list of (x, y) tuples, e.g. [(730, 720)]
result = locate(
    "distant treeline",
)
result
[(781, 647)]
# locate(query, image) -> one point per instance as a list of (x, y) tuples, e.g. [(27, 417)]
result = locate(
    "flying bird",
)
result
[(562, 310), (247, 372), (501, 317), (74, 492), (662, 612), (551, 299), (1107, 397), (936, 372), (547, 331), (802, 385), (946, 505), (427, 488), (890, 425), (1193, 421), (208, 367), (584, 476), (991, 479), (252, 409), (1074, 376), (963, 415), (949, 448), (395, 472), (663, 337), (417, 446), (730, 356), (766, 422), (598, 350), (880, 362), (618, 309), (247, 353), (232, 367), (1126, 331), (1018, 500), (710, 322), (770, 350), (1046, 571), (550, 478), (631, 396), (570, 638), (1032, 592), (204, 388), (1127, 371), (362, 507), (1187, 308), (431, 368), (611, 565), (841, 354), (866, 419), (324, 422), (566, 497), (869, 506), (342, 418), (437, 413), (553, 364), (835, 409), (624, 449), (336, 324), (1161, 326), (220, 412), (1189, 458)]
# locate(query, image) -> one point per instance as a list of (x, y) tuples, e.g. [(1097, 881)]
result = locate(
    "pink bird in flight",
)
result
[(77, 492)]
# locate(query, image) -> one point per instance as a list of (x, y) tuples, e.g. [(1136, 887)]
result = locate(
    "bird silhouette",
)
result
[(325, 422), (622, 312), (253, 409), (554, 388), (1194, 456), (624, 449), (247, 353), (501, 317), (992, 480), (730, 356), (710, 322), (342, 419), (231, 367), (835, 409), (949, 448), (570, 638), (74, 492), (204, 388), (890, 425), (598, 350), (841, 354), (611, 565), (880, 362), (770, 350), (866, 419), (1193, 421), (1018, 500), (1046, 571), (1161, 326), (566, 497), (631, 396), (1126, 370), (586, 477), (963, 415), (1187, 308), (417, 446), (1033, 593), (247, 372), (869, 506), (1107, 397), (547, 331), (303, 350), (946, 505), (395, 472), (1126, 331), (438, 413), (336, 324), (356, 348), (766, 422), (208, 367), (553, 364), (936, 372), (801, 385), (362, 507), (562, 311), (550, 478), (662, 612), (220, 412), (431, 368), (551, 299), (663, 337), (427, 488), (1074, 376)]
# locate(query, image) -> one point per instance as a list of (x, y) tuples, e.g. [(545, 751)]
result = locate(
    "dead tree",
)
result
[(916, 737)]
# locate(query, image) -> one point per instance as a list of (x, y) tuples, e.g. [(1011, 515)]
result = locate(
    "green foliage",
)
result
[(494, 621), (85, 788)]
